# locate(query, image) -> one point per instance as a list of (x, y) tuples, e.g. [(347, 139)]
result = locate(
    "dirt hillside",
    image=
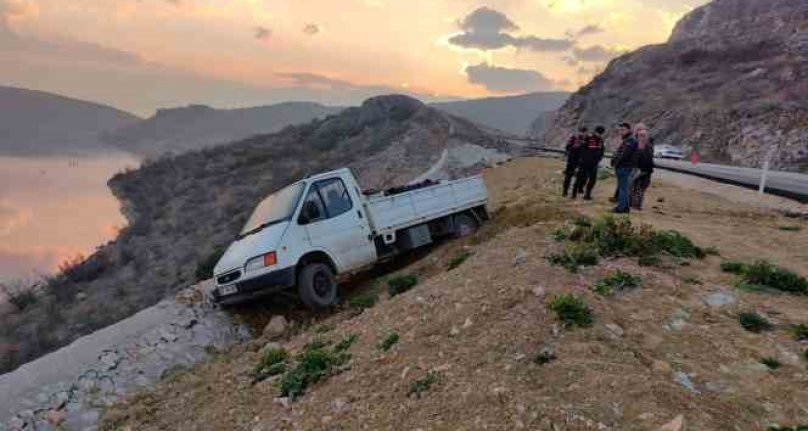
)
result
[(478, 348)]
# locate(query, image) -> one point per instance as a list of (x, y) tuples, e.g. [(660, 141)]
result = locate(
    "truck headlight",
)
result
[(261, 262)]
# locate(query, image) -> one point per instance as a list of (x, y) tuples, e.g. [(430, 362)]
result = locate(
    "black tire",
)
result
[(317, 286), (464, 225)]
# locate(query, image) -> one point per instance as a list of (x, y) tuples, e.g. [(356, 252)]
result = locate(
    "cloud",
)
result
[(314, 80), (506, 80), (488, 29), (589, 30), (13, 10), (11, 218), (311, 29), (595, 53), (262, 33)]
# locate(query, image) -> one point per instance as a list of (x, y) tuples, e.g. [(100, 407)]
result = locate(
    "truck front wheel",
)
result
[(317, 286)]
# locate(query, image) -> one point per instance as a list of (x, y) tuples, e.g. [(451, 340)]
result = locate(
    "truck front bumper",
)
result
[(257, 287)]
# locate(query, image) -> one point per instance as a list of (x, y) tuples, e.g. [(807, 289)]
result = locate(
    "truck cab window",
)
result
[(313, 208), (336, 197)]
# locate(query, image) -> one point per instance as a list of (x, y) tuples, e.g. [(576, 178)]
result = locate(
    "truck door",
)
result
[(334, 222)]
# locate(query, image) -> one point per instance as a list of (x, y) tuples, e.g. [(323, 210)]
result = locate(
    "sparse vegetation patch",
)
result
[(799, 332), (771, 362), (418, 387), (271, 363), (754, 322), (572, 311), (389, 341), (617, 282), (790, 228), (458, 260), (366, 299), (316, 362), (616, 236), (763, 275), (401, 284), (574, 257)]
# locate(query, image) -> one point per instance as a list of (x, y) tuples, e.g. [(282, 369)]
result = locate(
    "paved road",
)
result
[(790, 184)]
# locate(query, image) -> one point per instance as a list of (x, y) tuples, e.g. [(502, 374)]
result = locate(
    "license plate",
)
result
[(228, 290)]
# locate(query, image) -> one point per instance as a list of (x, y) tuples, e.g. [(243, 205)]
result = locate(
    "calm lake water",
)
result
[(55, 207)]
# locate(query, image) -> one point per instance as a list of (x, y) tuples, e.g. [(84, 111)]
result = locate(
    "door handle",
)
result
[(359, 213)]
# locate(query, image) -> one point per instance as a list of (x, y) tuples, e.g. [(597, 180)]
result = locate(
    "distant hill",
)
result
[(38, 123), (513, 114), (198, 126), (730, 82)]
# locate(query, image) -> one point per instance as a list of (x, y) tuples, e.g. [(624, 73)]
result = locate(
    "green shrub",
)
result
[(617, 282), (545, 356), (422, 385), (345, 343), (560, 235), (799, 332), (21, 297), (458, 260), (767, 275), (401, 284), (366, 299), (733, 267), (616, 236), (771, 362), (572, 258), (313, 364), (389, 341), (649, 260), (712, 251), (571, 311), (796, 428), (790, 228), (693, 280), (754, 322), (272, 362)]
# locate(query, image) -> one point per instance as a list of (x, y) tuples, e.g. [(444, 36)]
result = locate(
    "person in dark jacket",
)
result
[(572, 151), (645, 165), (624, 162), (588, 160)]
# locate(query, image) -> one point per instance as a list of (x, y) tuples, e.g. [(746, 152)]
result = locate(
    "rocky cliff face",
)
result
[(182, 209), (731, 82)]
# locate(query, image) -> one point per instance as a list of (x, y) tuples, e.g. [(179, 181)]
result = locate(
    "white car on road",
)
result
[(315, 229), (668, 152)]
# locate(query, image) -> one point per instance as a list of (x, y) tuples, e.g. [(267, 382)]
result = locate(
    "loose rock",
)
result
[(276, 328)]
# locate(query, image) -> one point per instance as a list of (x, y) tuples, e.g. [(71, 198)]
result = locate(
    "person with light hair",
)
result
[(645, 165)]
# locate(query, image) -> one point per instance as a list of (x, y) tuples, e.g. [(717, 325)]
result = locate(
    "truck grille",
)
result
[(229, 277)]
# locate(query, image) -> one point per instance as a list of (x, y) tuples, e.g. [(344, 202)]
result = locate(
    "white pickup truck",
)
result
[(315, 229)]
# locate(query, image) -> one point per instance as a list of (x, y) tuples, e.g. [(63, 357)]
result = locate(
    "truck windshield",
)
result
[(277, 207)]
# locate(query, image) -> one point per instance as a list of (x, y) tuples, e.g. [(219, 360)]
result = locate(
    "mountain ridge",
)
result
[(34, 122)]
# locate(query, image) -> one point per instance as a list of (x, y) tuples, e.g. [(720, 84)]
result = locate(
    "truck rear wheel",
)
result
[(464, 225), (317, 286)]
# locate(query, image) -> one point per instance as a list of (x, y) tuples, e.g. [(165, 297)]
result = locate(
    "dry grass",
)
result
[(476, 330)]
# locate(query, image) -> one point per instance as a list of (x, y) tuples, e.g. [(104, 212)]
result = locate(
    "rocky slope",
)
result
[(183, 209), (198, 126), (39, 123), (512, 114), (731, 82)]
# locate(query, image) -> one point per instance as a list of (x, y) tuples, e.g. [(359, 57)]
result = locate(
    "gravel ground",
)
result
[(670, 349)]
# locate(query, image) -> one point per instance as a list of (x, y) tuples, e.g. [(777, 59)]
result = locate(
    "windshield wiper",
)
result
[(258, 229)]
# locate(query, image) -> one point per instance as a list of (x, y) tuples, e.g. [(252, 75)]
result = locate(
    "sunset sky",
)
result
[(139, 55)]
